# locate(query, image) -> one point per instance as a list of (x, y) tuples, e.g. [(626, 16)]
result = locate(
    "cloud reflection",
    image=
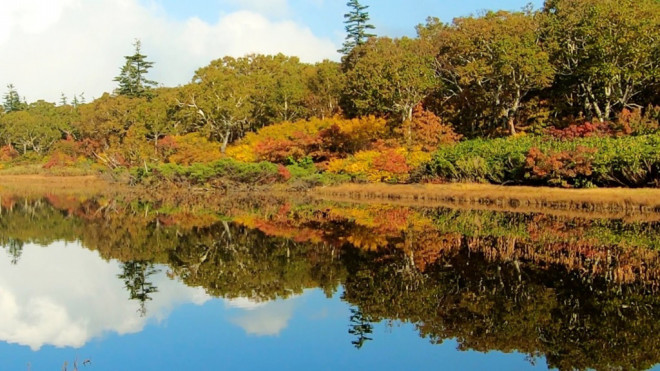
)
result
[(64, 295), (263, 318)]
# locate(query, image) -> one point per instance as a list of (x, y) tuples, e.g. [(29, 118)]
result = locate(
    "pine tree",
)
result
[(12, 101), (357, 26), (132, 79)]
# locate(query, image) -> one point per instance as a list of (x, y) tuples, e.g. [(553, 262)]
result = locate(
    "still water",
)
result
[(122, 283)]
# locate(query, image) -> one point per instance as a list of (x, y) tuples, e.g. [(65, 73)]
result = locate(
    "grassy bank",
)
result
[(620, 203)]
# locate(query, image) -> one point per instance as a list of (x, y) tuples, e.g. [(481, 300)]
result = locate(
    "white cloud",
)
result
[(244, 303), (75, 46), (271, 7), (44, 301)]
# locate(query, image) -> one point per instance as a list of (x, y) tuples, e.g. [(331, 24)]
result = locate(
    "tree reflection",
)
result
[(580, 292), (14, 249), (135, 275), (360, 328)]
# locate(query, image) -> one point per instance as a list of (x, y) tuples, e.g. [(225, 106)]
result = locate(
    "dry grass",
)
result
[(38, 169), (620, 203), (37, 185)]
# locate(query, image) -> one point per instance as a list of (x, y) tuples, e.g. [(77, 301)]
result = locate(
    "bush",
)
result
[(602, 161), (564, 168), (200, 173)]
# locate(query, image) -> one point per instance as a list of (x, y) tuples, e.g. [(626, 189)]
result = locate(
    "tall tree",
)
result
[(325, 82), (220, 97), (357, 26), (388, 77), (606, 53), (489, 66), (132, 78), (280, 89), (12, 101)]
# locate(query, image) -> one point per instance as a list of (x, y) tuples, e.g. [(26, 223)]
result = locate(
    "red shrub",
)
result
[(587, 129), (560, 168), (284, 172)]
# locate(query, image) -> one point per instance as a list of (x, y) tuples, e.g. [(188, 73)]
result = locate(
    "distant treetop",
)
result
[(132, 79), (357, 26)]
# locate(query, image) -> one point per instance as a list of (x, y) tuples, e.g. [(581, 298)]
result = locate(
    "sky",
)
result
[(72, 47)]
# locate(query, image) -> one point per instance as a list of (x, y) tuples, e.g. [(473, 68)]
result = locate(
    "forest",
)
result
[(567, 95)]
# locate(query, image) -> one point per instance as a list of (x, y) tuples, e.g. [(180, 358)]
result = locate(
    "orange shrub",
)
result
[(8, 153), (427, 131)]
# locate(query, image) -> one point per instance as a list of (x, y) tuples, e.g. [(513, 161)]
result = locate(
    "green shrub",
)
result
[(620, 161), (200, 173)]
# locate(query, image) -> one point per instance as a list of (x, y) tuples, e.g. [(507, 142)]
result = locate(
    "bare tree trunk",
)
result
[(594, 103), (225, 141), (511, 125), (511, 121)]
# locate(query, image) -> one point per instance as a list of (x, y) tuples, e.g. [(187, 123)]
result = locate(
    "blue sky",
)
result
[(50, 47), (325, 17)]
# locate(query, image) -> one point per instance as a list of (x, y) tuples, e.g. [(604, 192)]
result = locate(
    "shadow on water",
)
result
[(581, 292)]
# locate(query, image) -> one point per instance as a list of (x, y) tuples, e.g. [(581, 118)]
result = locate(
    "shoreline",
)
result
[(620, 203), (629, 204)]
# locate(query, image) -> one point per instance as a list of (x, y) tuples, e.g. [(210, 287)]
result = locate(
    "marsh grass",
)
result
[(39, 184), (642, 204), (38, 169)]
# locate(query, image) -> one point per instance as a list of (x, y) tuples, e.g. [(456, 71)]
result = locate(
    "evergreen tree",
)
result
[(135, 275), (132, 79), (12, 101), (357, 26)]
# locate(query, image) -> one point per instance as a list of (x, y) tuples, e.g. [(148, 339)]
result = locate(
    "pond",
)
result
[(120, 281)]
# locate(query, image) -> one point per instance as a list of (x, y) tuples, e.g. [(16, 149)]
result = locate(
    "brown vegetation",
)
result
[(26, 185), (619, 203)]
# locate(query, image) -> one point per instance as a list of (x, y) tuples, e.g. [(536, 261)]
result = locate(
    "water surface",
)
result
[(121, 282)]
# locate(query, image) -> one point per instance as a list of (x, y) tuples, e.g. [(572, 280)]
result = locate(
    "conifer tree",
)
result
[(12, 101), (132, 79), (357, 26)]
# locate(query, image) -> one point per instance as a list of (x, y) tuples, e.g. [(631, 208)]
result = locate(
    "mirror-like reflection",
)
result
[(572, 291), (64, 295)]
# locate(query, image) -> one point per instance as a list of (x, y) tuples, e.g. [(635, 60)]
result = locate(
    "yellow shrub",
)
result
[(416, 158), (192, 148), (242, 153), (384, 165), (363, 129)]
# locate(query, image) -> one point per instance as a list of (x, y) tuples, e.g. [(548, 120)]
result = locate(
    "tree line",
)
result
[(494, 74)]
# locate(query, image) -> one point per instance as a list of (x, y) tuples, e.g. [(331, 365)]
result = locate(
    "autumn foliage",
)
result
[(427, 130), (320, 139), (587, 129), (8, 153), (188, 149), (560, 168)]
